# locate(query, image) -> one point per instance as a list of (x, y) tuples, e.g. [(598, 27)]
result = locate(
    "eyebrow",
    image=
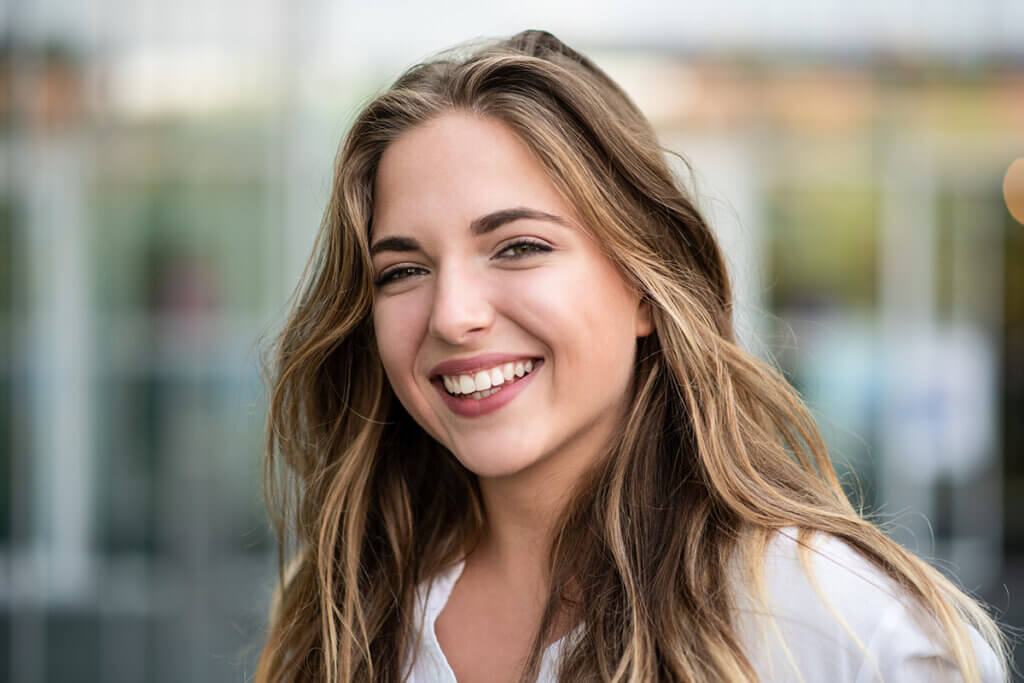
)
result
[(480, 226)]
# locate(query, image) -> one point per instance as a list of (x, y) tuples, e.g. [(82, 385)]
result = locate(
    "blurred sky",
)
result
[(196, 55), (348, 32)]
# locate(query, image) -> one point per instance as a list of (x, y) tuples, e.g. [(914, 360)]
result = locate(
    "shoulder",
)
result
[(833, 615)]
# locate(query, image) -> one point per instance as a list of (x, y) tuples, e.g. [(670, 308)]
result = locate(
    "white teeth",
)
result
[(485, 382), (482, 380)]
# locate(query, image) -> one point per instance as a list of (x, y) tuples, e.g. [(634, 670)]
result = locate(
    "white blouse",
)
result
[(896, 642)]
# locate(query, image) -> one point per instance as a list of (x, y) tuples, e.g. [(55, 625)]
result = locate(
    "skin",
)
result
[(460, 294)]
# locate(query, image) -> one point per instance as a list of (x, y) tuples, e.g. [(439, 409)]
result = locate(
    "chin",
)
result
[(493, 465)]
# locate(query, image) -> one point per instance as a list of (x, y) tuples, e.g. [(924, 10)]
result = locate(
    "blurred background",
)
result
[(165, 167)]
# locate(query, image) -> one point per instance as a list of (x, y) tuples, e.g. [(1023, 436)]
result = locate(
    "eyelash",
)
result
[(536, 247)]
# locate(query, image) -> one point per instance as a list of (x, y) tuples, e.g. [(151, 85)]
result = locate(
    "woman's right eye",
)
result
[(396, 274)]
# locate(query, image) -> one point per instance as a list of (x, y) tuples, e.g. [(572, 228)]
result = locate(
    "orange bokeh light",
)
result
[(1013, 189)]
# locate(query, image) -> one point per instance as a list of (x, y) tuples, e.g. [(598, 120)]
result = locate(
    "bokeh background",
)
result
[(165, 168)]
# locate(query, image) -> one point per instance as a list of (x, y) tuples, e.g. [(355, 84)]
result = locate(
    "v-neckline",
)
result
[(438, 592)]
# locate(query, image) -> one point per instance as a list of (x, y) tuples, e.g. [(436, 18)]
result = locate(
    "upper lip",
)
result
[(464, 366)]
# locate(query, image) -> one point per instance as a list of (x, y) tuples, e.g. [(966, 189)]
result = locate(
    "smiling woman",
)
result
[(513, 437), (485, 286)]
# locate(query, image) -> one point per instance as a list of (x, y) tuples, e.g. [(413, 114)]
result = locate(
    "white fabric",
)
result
[(898, 642)]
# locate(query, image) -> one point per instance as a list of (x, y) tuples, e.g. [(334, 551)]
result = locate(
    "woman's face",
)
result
[(482, 272)]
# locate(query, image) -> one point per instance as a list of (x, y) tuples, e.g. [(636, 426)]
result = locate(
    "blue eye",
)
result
[(395, 274), (522, 248)]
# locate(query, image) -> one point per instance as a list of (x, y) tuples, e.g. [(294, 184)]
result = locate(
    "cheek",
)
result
[(400, 326), (396, 327), (582, 307)]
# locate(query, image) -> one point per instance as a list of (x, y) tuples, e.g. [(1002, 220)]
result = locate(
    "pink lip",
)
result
[(486, 361), (469, 407)]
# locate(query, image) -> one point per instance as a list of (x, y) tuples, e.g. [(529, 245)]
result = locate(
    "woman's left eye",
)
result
[(523, 248)]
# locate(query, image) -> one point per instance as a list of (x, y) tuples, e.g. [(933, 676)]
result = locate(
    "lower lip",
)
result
[(472, 407)]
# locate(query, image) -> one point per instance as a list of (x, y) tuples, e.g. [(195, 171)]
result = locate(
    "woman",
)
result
[(513, 436)]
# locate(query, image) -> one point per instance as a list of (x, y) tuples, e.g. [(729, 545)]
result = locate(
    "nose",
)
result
[(461, 310)]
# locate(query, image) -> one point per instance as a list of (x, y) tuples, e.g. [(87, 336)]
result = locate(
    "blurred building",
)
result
[(164, 179)]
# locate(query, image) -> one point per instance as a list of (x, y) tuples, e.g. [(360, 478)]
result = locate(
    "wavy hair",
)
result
[(716, 453)]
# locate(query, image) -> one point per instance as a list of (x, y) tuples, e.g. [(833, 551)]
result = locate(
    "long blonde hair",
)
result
[(716, 454)]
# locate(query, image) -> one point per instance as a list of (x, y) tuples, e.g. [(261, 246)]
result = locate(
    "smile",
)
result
[(485, 391), (486, 382)]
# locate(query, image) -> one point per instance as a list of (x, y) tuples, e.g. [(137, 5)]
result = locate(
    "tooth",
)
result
[(529, 366), (482, 380), (450, 385), (476, 395), (520, 370), (508, 370), (496, 377), (466, 384)]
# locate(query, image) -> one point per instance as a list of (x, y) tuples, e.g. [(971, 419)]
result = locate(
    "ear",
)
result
[(644, 319)]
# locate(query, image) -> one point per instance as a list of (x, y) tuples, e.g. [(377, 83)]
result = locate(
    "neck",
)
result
[(521, 511)]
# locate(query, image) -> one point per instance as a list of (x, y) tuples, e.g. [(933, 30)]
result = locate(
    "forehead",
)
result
[(454, 168)]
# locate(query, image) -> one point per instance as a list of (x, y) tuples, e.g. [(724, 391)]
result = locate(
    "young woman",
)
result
[(513, 437)]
